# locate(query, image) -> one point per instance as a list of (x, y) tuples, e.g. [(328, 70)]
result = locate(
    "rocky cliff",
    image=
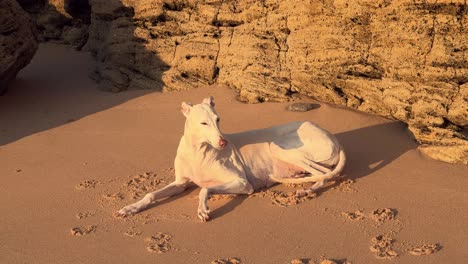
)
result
[(18, 41), (405, 60), (60, 21)]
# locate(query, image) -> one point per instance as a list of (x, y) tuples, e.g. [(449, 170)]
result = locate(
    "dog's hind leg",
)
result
[(169, 190), (238, 186), (298, 158)]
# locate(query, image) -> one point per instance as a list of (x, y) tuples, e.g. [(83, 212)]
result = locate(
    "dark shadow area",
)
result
[(79, 9), (369, 149), (55, 88), (228, 207), (32, 6), (68, 24)]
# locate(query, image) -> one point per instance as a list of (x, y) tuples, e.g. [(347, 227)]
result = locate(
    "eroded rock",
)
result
[(18, 41)]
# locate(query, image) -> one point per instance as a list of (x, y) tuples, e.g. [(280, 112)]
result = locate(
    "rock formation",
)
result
[(405, 60), (18, 41), (60, 21)]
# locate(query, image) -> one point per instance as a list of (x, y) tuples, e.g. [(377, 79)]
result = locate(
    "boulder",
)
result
[(18, 41)]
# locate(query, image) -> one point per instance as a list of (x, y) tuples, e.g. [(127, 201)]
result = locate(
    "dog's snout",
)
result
[(222, 142)]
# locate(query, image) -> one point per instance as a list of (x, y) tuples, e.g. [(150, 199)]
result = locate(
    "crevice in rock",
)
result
[(176, 44), (339, 92), (451, 126), (226, 23), (174, 5), (371, 38), (278, 54), (432, 35), (286, 54), (217, 24), (230, 37)]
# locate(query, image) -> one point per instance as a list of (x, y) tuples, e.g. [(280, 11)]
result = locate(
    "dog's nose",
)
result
[(222, 142)]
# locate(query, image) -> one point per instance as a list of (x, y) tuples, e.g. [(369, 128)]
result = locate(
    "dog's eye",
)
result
[(217, 120), (204, 123)]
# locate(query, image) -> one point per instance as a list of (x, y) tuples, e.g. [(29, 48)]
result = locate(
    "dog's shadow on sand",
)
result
[(368, 150)]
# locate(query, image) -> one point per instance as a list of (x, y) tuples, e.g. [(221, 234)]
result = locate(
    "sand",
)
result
[(70, 155)]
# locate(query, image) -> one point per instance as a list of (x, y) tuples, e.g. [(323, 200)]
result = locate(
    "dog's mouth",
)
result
[(221, 147), (217, 146)]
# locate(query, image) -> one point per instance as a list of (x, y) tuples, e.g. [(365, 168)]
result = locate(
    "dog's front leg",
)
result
[(239, 186), (170, 190)]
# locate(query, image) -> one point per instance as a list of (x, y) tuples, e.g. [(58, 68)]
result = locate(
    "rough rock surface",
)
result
[(18, 41), (60, 21), (405, 60)]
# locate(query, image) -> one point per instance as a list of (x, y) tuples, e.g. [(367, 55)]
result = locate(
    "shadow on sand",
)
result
[(369, 149), (54, 89)]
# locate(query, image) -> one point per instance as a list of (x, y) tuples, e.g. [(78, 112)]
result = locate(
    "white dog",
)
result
[(244, 162)]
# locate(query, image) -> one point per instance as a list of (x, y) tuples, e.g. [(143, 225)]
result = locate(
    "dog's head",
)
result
[(204, 123)]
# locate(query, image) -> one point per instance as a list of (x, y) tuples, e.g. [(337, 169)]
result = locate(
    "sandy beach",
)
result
[(71, 155)]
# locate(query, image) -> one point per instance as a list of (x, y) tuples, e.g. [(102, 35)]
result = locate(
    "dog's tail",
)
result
[(317, 178)]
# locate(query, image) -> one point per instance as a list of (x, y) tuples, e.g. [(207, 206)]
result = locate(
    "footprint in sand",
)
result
[(344, 185), (83, 215), (323, 261), (158, 243), (382, 247), (425, 249), (286, 198), (379, 215), (353, 216), (132, 232), (383, 214), (86, 184), (113, 196), (141, 184), (83, 230), (221, 197), (227, 261)]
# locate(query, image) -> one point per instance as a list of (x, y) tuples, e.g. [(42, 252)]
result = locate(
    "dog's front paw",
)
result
[(203, 210), (128, 210), (203, 214)]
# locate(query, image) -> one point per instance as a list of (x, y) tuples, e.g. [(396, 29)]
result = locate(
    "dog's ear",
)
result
[(209, 100), (185, 108)]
